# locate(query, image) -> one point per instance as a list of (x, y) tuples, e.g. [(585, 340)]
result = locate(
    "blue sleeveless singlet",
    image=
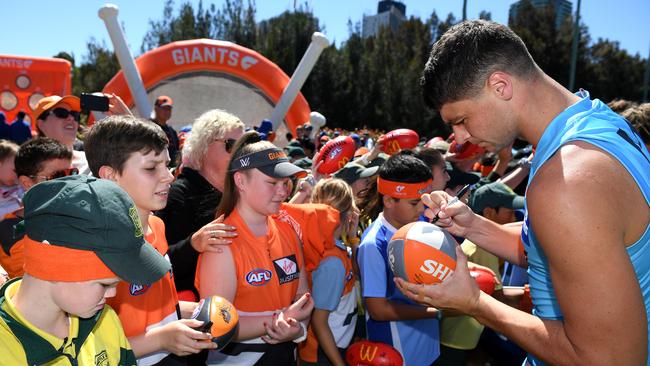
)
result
[(592, 122)]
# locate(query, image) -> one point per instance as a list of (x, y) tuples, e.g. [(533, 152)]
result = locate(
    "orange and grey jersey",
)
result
[(333, 290), (142, 307), (268, 270)]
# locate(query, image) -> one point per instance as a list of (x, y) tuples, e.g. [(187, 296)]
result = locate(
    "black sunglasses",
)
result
[(57, 174), (228, 144), (61, 113)]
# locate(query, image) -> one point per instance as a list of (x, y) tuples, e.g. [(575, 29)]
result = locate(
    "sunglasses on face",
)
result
[(61, 113), (57, 174), (228, 144)]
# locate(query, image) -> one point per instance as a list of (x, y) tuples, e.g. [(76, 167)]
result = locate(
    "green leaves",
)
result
[(373, 81)]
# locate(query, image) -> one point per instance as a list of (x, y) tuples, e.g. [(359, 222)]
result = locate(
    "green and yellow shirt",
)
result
[(98, 341)]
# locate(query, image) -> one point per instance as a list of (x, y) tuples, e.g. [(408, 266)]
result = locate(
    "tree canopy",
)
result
[(373, 81)]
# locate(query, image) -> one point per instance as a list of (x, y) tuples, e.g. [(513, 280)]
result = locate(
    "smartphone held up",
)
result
[(93, 102)]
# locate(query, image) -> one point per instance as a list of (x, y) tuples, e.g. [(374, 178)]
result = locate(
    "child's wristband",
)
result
[(304, 334)]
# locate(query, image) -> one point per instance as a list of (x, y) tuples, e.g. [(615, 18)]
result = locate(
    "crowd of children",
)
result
[(108, 267)]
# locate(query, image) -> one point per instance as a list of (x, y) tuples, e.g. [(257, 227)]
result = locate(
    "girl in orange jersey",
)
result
[(331, 277), (261, 272)]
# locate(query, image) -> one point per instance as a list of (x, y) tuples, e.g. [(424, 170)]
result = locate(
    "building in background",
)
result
[(390, 14), (562, 8)]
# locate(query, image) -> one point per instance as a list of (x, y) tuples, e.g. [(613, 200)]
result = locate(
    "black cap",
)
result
[(352, 172), (272, 162)]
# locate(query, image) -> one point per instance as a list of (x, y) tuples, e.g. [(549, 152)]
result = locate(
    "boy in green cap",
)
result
[(82, 234)]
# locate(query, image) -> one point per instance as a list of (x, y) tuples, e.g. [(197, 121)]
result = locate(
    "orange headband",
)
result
[(403, 190), (57, 263)]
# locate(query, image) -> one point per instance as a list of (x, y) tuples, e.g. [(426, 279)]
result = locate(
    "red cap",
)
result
[(163, 101)]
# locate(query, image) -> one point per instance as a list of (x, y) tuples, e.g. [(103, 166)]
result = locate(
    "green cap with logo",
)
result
[(87, 213), (495, 195)]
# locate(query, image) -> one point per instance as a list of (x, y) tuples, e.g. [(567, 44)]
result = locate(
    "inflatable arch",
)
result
[(203, 74)]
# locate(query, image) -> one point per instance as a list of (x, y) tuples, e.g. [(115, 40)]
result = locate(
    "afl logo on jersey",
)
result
[(258, 277), (136, 290)]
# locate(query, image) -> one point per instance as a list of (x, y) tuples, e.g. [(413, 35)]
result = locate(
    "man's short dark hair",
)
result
[(464, 57), (112, 140), (405, 168), (32, 154)]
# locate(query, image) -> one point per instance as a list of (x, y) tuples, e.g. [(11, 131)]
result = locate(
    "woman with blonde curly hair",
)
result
[(189, 218)]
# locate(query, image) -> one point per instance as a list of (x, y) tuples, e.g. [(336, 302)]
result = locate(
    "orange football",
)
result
[(421, 252)]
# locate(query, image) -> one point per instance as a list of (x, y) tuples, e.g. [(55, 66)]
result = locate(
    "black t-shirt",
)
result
[(174, 143), (191, 204)]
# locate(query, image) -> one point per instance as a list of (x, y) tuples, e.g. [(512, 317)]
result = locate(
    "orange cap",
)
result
[(58, 263), (47, 103)]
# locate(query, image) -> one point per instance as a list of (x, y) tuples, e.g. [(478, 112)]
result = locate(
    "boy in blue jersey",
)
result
[(391, 318), (586, 232)]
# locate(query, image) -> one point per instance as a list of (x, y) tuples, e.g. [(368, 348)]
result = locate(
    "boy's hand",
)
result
[(282, 329), (305, 185), (301, 309), (213, 234), (179, 337), (376, 150), (187, 308)]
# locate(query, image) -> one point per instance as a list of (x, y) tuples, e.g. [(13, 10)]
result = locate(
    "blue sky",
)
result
[(43, 28)]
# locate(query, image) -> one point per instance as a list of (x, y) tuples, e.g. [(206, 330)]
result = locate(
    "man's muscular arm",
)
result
[(585, 210)]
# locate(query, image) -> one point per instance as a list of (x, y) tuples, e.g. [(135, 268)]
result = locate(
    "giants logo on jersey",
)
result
[(136, 290), (258, 277)]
